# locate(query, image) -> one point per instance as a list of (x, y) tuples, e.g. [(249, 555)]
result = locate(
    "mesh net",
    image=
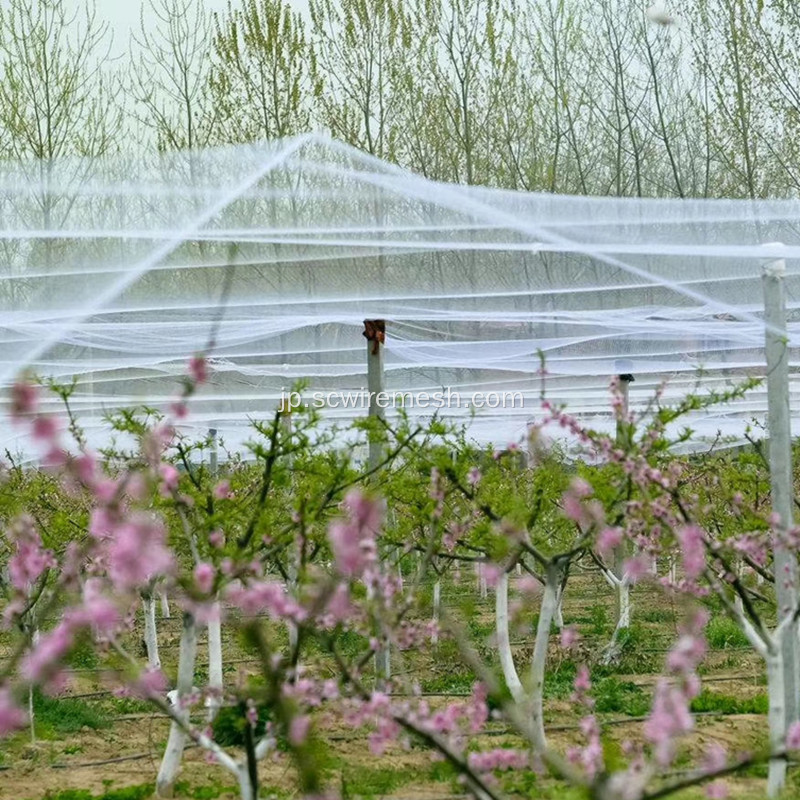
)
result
[(116, 271)]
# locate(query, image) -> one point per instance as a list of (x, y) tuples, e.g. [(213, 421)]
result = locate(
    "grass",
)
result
[(726, 704), (127, 793), (207, 792), (615, 696), (362, 781), (722, 633), (63, 715), (449, 682)]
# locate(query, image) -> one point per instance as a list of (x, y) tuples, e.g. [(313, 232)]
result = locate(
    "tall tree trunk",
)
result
[(437, 604), (150, 631), (215, 662), (504, 642), (170, 764), (777, 720), (546, 614)]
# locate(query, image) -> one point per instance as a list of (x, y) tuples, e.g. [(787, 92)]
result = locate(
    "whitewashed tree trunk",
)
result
[(31, 720), (292, 627), (383, 655), (549, 602), (559, 614), (170, 764), (437, 604), (484, 589), (504, 641), (150, 631), (245, 787), (215, 662), (777, 721), (383, 658), (622, 588), (624, 599), (165, 612)]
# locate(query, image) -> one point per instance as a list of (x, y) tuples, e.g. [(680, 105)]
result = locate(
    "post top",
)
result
[(774, 264)]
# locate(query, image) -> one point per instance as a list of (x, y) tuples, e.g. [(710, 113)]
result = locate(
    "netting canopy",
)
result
[(116, 271)]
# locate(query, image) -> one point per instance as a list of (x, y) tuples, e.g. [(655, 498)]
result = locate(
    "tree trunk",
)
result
[(546, 614), (245, 785), (170, 764), (292, 587), (624, 600), (150, 631), (777, 720), (504, 642), (165, 605), (558, 616), (437, 603), (215, 662)]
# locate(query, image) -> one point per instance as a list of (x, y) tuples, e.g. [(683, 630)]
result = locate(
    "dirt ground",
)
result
[(127, 753)]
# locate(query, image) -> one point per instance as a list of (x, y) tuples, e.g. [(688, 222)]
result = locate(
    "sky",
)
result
[(123, 15)]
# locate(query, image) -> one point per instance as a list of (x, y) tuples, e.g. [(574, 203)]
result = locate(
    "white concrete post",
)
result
[(780, 462)]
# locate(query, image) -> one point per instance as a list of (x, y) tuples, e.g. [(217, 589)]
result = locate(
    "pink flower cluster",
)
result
[(353, 540), (670, 716), (12, 717), (29, 559), (498, 759)]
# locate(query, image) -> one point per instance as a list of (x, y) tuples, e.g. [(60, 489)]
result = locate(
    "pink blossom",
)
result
[(98, 610), (608, 540), (179, 409), (686, 654), (717, 790), (216, 539), (151, 682), (569, 637), (85, 467), (637, 567), (581, 488), (529, 585), (268, 596), (137, 553), (29, 560), (42, 661), (101, 522), (583, 682), (11, 716), (498, 759), (353, 540), (24, 399), (204, 574), (222, 490), (198, 368), (715, 757), (491, 574), (45, 429), (169, 478), (339, 607), (573, 509), (105, 489), (669, 718), (299, 728), (793, 737), (692, 550), (474, 477)]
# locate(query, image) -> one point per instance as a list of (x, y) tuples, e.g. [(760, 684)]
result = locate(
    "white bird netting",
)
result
[(118, 270)]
